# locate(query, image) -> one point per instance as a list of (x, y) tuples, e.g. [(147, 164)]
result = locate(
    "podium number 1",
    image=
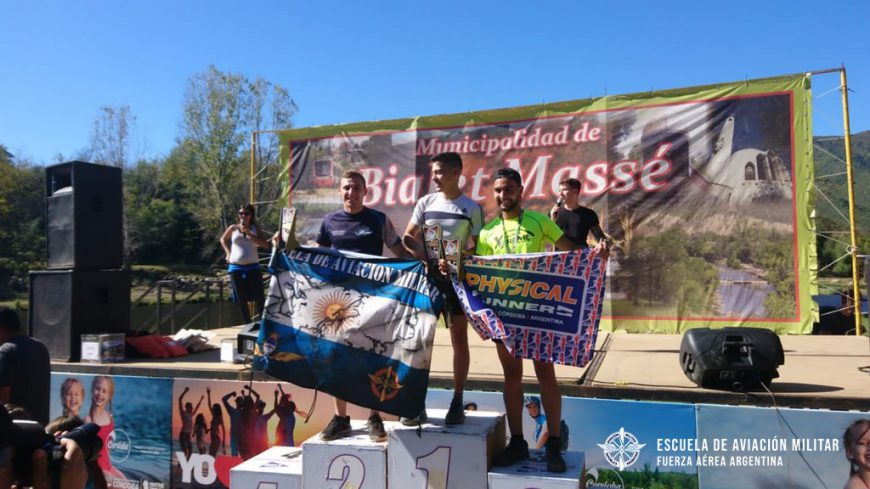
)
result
[(436, 464), (347, 469)]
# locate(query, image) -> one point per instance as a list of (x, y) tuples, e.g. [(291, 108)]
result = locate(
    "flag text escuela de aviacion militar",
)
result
[(543, 306), (358, 327)]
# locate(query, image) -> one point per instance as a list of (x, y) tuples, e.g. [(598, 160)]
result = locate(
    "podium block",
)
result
[(445, 457), (275, 468), (354, 461), (533, 473)]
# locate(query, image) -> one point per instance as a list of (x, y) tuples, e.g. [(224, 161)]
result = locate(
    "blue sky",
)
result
[(357, 61)]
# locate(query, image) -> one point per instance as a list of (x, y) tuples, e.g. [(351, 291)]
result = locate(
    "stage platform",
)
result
[(821, 372)]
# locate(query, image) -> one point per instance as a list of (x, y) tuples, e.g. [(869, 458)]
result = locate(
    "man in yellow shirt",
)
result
[(517, 231)]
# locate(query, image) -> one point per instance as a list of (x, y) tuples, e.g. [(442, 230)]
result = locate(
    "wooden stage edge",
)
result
[(820, 372)]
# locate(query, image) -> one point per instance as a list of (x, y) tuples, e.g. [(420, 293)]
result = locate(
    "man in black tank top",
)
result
[(575, 220)]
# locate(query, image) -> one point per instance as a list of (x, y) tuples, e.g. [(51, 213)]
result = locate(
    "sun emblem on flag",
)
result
[(334, 311), (385, 384)]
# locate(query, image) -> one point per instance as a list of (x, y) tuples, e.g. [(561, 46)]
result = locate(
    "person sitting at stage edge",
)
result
[(25, 368), (240, 242), (357, 228), (840, 321), (518, 230)]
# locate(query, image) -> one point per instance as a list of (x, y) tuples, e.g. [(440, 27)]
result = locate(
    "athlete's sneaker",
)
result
[(417, 420), (516, 451), (338, 427), (555, 462), (376, 428), (456, 414)]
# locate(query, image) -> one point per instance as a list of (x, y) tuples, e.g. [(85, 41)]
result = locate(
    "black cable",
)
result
[(782, 421)]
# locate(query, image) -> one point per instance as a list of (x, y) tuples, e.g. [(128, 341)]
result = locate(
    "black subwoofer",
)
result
[(65, 304), (731, 358), (84, 216)]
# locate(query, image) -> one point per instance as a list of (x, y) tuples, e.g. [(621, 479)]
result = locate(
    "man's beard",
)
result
[(511, 208)]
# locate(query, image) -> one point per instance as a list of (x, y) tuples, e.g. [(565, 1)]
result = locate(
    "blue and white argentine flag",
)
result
[(358, 327)]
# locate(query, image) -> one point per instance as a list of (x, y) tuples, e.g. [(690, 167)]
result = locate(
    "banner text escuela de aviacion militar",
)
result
[(706, 191)]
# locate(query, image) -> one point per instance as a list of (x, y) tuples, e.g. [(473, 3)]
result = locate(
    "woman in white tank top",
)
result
[(240, 242)]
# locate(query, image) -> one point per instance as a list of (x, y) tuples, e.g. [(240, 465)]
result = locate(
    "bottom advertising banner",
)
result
[(651, 445), (621, 440), (217, 425), (134, 418), (796, 448)]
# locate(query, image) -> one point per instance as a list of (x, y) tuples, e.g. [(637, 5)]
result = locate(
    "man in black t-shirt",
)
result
[(357, 228), (575, 220), (25, 368)]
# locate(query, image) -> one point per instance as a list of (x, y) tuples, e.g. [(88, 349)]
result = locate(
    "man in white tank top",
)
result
[(460, 218)]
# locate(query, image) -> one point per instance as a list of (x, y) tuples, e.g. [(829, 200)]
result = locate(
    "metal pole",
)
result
[(207, 305), (172, 317), (850, 180), (221, 304), (253, 151), (159, 300)]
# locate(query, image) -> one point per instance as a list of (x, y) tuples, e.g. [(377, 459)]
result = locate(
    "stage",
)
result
[(820, 372)]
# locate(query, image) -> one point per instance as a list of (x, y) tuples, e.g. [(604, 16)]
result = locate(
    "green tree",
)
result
[(111, 135), (220, 112), (158, 196), (22, 226)]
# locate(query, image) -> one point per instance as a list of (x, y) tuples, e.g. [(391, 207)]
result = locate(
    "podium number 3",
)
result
[(436, 464), (347, 469)]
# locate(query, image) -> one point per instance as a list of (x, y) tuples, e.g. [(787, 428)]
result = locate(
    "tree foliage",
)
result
[(220, 112), (22, 225), (111, 136)]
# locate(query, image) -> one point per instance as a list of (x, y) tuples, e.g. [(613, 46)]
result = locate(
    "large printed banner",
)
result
[(133, 414), (229, 422), (358, 327), (706, 191), (544, 306)]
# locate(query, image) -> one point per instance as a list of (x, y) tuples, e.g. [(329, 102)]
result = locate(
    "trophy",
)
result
[(432, 238), (453, 254), (288, 228)]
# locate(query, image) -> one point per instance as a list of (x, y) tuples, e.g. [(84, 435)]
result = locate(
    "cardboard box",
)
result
[(103, 347)]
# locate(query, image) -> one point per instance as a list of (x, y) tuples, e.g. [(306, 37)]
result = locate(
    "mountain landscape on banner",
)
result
[(358, 327), (544, 306)]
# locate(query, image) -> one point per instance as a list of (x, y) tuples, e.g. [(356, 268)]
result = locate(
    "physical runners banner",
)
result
[(543, 306), (358, 327), (706, 191)]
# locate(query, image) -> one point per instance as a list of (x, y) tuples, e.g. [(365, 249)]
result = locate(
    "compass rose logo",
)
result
[(385, 384), (621, 449)]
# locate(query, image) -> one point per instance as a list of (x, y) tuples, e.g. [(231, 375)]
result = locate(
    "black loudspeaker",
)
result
[(84, 216), (246, 341), (731, 358), (66, 304)]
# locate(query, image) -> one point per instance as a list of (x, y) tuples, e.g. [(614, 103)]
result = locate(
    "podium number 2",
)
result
[(436, 464), (347, 469)]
